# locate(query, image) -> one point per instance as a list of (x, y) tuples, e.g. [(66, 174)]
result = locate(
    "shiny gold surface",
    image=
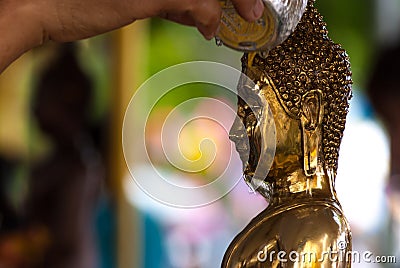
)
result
[(307, 84)]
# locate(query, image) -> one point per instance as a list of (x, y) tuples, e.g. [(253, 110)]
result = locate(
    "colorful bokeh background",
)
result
[(67, 198)]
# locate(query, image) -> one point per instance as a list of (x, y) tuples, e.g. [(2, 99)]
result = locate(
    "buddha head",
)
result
[(306, 83)]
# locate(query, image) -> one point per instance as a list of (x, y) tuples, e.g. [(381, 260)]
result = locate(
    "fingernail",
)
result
[(258, 9)]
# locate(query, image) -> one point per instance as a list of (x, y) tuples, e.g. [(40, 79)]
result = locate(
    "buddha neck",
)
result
[(297, 187)]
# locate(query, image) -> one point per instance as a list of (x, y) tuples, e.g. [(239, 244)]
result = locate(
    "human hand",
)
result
[(69, 20), (27, 24)]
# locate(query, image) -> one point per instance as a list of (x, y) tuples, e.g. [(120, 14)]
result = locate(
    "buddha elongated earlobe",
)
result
[(311, 118)]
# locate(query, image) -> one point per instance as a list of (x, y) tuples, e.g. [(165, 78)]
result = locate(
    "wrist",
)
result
[(20, 29)]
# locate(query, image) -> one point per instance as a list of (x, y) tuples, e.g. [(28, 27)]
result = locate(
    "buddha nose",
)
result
[(238, 135)]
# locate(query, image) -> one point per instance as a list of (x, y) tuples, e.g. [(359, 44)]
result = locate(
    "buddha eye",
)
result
[(241, 112), (251, 118), (248, 110)]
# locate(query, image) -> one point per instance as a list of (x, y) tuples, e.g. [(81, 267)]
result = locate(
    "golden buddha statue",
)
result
[(306, 82)]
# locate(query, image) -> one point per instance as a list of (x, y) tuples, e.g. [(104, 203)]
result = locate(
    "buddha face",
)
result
[(266, 138)]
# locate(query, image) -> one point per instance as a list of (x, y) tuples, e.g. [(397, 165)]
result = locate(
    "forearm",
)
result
[(20, 30)]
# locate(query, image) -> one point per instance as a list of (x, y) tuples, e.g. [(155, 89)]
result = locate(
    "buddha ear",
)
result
[(311, 120)]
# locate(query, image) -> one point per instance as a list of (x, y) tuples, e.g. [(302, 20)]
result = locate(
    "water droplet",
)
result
[(218, 41)]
